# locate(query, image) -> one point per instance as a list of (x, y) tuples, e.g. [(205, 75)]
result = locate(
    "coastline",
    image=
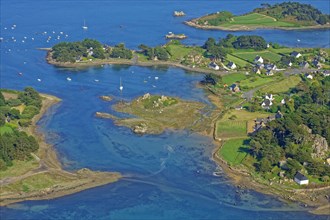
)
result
[(313, 200), (192, 23), (49, 164), (119, 61)]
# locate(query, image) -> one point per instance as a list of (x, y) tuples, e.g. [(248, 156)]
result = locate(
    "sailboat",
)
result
[(85, 27), (121, 86)]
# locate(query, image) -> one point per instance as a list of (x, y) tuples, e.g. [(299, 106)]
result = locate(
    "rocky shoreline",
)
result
[(193, 23), (315, 200)]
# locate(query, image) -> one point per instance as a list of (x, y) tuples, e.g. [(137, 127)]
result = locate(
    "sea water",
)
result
[(166, 176)]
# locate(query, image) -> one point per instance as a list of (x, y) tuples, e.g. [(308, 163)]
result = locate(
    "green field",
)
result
[(234, 124), (5, 129), (233, 77), (282, 85), (231, 129), (252, 20), (236, 60), (234, 151), (250, 56), (178, 52), (257, 81)]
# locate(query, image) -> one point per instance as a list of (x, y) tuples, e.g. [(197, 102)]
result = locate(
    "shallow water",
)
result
[(167, 176)]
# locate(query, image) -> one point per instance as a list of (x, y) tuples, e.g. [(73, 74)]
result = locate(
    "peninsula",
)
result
[(286, 16), (31, 170)]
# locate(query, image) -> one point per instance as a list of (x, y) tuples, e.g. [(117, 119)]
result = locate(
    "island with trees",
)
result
[(29, 167), (257, 88), (286, 15)]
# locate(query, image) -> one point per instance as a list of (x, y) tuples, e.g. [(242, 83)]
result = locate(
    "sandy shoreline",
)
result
[(192, 23), (49, 164)]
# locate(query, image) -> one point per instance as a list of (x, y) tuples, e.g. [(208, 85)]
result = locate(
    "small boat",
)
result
[(96, 80), (39, 80), (68, 78), (121, 86), (85, 27), (156, 78)]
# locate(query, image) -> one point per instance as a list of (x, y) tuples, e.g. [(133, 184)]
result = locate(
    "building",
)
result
[(234, 88), (289, 63), (295, 54), (301, 179), (214, 66), (256, 70), (304, 65), (269, 72), (326, 73), (231, 65), (317, 64), (308, 76), (270, 67), (258, 59)]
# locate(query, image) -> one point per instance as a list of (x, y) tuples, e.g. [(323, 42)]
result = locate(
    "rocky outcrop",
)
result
[(106, 98), (140, 129), (320, 147)]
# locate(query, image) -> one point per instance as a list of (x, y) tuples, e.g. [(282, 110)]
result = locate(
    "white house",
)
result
[(295, 54), (214, 66), (231, 65), (308, 76), (301, 179), (258, 59)]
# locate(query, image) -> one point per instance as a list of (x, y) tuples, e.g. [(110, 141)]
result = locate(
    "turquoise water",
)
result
[(167, 176)]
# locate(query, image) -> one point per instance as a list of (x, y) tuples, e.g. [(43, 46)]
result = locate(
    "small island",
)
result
[(153, 114), (29, 167), (171, 35), (286, 15)]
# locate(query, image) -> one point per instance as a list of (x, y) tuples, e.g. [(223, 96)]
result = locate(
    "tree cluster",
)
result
[(160, 53), (72, 51), (289, 139), (301, 12), (120, 51), (16, 144)]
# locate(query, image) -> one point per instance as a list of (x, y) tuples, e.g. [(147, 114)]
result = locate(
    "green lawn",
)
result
[(234, 151), (236, 60), (255, 19), (231, 129), (234, 124), (286, 51), (257, 81), (233, 77), (282, 85), (250, 56), (178, 52), (5, 129)]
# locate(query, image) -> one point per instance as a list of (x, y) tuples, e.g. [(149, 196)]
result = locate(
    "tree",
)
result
[(209, 44), (2, 100), (264, 165), (119, 51)]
